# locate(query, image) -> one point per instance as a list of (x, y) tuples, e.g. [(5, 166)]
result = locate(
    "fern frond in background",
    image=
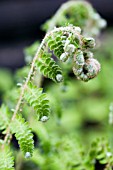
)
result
[(6, 159), (68, 152), (79, 13)]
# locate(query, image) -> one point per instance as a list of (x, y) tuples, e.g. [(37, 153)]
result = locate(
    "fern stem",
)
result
[(8, 135), (42, 46)]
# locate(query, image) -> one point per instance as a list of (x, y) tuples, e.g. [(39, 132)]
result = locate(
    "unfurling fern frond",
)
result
[(38, 101), (5, 117), (79, 13), (6, 159), (67, 44), (23, 134)]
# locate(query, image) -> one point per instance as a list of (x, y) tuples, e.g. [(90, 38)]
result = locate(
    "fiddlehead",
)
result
[(85, 66), (67, 44)]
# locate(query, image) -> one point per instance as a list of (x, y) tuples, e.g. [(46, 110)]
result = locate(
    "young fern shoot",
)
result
[(67, 44)]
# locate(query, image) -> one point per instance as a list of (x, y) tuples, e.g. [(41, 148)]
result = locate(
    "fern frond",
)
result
[(38, 100), (68, 44), (78, 13), (101, 151), (6, 159), (5, 117), (23, 134)]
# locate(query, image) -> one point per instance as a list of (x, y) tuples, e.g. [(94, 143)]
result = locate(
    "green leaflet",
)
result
[(56, 44), (67, 44), (6, 159), (38, 101), (5, 117), (23, 134), (48, 66)]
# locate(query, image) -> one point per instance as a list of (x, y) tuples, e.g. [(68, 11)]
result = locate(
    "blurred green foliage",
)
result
[(6, 80)]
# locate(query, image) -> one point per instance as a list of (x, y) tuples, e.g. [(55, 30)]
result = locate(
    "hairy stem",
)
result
[(8, 135), (66, 29)]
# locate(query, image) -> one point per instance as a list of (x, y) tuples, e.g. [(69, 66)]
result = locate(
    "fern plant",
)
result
[(72, 46), (67, 43)]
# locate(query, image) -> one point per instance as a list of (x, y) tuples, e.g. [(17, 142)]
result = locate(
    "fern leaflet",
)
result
[(23, 134), (38, 101)]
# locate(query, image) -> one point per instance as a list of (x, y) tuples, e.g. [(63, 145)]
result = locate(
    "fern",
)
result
[(79, 13), (101, 151), (6, 159), (38, 101), (67, 153), (67, 44), (71, 46), (23, 134)]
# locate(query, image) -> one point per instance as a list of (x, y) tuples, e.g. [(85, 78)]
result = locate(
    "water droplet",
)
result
[(59, 77), (44, 119), (27, 155)]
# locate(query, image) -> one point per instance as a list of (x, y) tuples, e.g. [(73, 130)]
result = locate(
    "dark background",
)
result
[(20, 22)]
